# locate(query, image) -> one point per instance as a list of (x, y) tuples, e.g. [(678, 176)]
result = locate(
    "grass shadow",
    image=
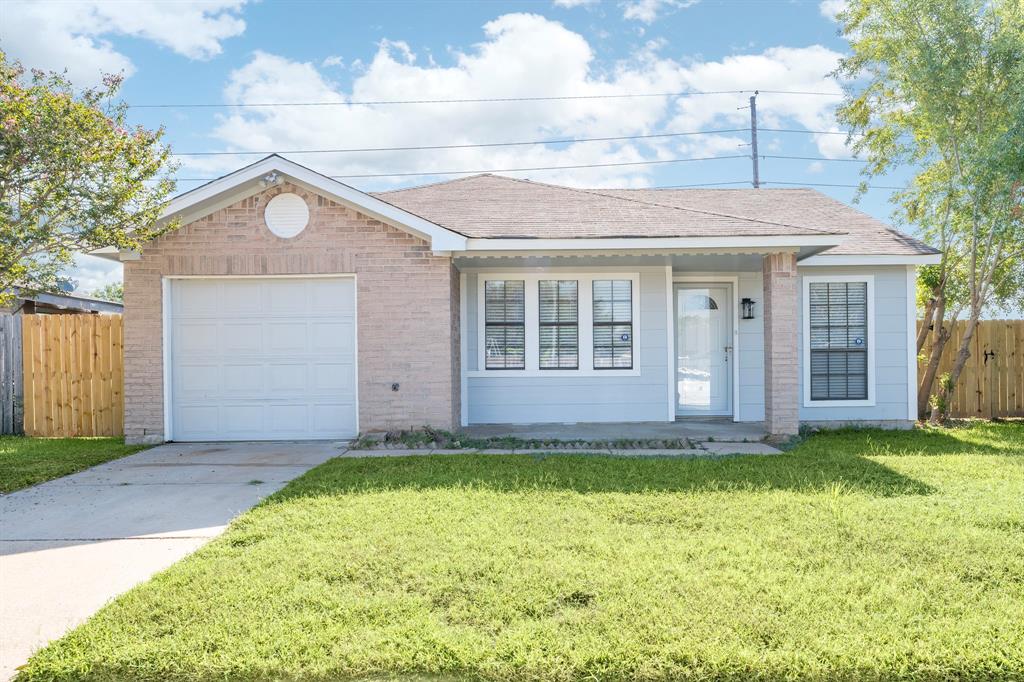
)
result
[(844, 460), (603, 474)]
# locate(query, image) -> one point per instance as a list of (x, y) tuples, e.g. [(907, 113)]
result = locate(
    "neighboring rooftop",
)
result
[(494, 206)]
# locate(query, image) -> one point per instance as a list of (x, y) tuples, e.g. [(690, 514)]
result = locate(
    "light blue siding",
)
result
[(539, 399), (889, 354), (523, 400)]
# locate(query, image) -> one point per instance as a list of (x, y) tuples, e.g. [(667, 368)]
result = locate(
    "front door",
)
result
[(703, 349)]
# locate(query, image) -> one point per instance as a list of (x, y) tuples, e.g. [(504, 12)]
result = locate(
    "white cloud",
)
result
[(816, 167), (92, 273), (803, 69), (507, 64), (76, 35), (333, 60), (573, 3), (649, 10), (830, 9)]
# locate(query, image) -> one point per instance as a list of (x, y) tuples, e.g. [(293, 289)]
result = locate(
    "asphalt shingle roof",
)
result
[(493, 206)]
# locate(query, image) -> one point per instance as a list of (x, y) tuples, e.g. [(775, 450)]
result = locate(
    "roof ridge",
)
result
[(676, 208), (432, 184)]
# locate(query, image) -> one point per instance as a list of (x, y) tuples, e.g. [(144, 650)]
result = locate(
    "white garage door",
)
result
[(262, 359)]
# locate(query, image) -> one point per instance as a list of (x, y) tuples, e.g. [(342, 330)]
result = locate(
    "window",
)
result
[(559, 324), (838, 326), (505, 324), (613, 324)]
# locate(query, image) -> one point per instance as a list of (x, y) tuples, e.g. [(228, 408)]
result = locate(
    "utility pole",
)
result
[(753, 137)]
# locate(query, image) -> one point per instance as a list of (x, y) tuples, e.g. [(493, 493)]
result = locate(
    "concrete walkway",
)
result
[(720, 429), (70, 545)]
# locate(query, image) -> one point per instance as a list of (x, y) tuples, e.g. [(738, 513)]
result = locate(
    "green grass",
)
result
[(858, 555), (27, 461)]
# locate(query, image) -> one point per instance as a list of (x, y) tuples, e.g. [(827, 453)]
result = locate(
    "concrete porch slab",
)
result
[(721, 430)]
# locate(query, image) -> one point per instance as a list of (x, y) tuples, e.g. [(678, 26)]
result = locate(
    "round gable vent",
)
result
[(287, 215)]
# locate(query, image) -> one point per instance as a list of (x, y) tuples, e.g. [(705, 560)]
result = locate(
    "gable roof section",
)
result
[(243, 182), (497, 207)]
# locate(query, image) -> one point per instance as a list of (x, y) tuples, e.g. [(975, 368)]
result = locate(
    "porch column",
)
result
[(781, 368)]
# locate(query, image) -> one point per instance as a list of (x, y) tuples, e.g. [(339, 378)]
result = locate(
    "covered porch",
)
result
[(709, 349)]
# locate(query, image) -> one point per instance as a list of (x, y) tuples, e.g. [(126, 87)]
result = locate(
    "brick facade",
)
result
[(781, 364), (407, 302)]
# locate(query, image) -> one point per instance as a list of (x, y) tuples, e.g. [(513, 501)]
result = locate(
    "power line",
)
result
[(463, 146), (701, 184), (828, 184), (479, 100), (810, 158), (572, 167), (804, 131), (512, 170)]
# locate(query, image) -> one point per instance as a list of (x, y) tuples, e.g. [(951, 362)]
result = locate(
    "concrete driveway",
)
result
[(70, 545)]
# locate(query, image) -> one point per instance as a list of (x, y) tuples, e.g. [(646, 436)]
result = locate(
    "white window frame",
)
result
[(585, 320), (805, 311)]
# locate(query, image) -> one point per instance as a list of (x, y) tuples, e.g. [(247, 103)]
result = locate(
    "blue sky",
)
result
[(235, 52)]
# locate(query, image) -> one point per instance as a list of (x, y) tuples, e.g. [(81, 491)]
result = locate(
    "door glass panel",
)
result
[(703, 345)]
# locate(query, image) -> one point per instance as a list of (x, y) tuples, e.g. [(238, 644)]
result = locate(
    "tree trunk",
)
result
[(929, 313), (924, 389), (940, 411)]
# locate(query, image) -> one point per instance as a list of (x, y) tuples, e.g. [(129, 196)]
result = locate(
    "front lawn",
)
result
[(27, 461), (861, 555)]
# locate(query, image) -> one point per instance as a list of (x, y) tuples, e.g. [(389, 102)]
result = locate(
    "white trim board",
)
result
[(871, 324), (825, 260), (532, 330), (734, 282), (246, 181)]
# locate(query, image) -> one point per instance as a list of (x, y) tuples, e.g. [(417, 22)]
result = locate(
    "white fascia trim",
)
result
[(826, 260), (441, 239), (754, 244), (805, 311)]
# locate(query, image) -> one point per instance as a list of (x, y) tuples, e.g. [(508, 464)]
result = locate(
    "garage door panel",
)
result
[(198, 420), (192, 298), (332, 378), (275, 361), (195, 380), (196, 337), (331, 336), (289, 297), (241, 337), (288, 378), (289, 419), (243, 379), (241, 295), (288, 336)]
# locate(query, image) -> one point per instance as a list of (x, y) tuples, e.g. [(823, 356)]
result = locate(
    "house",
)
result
[(289, 305), (59, 303)]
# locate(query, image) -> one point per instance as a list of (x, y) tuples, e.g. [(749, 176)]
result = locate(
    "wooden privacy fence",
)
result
[(992, 382), (10, 373), (73, 375)]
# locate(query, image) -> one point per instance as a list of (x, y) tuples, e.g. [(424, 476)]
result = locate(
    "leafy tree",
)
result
[(112, 292), (73, 176), (939, 85)]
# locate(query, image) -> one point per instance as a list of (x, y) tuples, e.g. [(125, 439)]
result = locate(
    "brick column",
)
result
[(781, 363)]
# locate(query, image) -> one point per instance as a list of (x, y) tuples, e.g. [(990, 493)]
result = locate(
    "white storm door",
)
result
[(703, 350), (262, 358)]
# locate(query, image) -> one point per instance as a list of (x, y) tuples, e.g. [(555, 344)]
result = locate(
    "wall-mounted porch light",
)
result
[(748, 308)]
